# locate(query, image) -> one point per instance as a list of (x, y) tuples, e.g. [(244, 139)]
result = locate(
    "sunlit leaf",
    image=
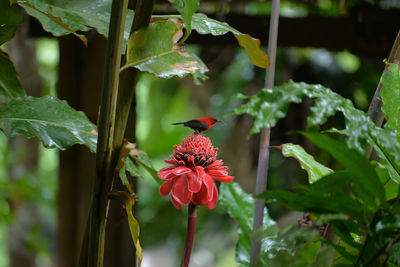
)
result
[(187, 8), (65, 17), (240, 206), (10, 86), (155, 49), (9, 21), (270, 105), (390, 94), (53, 121), (307, 162)]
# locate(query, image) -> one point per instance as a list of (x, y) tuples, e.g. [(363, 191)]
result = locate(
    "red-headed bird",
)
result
[(202, 124)]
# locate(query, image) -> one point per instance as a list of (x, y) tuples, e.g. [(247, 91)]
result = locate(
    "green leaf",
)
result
[(144, 160), (65, 17), (270, 105), (390, 94), (240, 206), (354, 162), (10, 86), (304, 201), (9, 21), (187, 8), (131, 167), (154, 49), (314, 169), (51, 120), (204, 25)]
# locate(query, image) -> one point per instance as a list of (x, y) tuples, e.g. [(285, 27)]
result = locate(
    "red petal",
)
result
[(181, 170), (166, 187), (200, 172), (170, 161), (194, 182), (216, 173), (165, 174), (209, 183), (200, 198), (215, 164), (225, 179), (211, 204), (175, 203), (180, 190)]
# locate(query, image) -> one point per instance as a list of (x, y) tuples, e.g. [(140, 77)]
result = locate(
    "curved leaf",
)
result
[(240, 206), (51, 120), (9, 21), (154, 49), (270, 105), (64, 17), (307, 162), (204, 25), (187, 9), (10, 86)]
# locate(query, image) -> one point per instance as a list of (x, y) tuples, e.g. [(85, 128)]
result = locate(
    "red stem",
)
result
[(191, 229)]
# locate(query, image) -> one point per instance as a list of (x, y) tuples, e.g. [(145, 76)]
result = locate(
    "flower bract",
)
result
[(190, 178)]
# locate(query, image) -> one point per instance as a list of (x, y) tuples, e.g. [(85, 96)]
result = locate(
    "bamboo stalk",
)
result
[(92, 252), (263, 157)]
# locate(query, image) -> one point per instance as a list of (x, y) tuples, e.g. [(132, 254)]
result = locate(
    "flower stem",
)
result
[(191, 228)]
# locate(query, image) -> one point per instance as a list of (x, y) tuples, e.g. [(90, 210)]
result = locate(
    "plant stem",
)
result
[(263, 157), (93, 248), (191, 229), (375, 107)]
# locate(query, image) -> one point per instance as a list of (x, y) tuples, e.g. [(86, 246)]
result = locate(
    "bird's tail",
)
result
[(176, 123)]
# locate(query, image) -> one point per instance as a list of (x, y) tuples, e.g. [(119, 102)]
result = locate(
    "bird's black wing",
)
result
[(196, 125)]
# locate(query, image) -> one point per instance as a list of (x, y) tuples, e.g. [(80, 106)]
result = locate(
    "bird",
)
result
[(199, 125)]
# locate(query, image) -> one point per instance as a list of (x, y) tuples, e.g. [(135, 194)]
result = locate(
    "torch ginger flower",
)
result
[(191, 176)]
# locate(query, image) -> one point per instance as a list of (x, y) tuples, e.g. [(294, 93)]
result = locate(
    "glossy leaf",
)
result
[(10, 86), (51, 120), (9, 21), (155, 49), (307, 162), (204, 25), (390, 94), (240, 206), (270, 105), (354, 162), (65, 17), (187, 8)]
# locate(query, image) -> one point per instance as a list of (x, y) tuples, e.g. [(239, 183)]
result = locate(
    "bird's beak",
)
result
[(220, 122)]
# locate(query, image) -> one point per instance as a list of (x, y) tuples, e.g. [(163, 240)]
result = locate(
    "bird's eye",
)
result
[(215, 120)]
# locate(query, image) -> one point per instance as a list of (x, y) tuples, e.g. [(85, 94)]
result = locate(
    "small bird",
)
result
[(202, 124)]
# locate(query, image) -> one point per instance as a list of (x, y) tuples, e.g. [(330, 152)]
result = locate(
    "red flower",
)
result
[(190, 178)]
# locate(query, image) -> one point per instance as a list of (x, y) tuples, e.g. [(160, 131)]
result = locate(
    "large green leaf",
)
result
[(270, 105), (240, 206), (187, 8), (64, 17), (51, 120), (307, 162), (354, 162), (10, 86), (155, 49), (9, 21), (204, 25), (390, 94)]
